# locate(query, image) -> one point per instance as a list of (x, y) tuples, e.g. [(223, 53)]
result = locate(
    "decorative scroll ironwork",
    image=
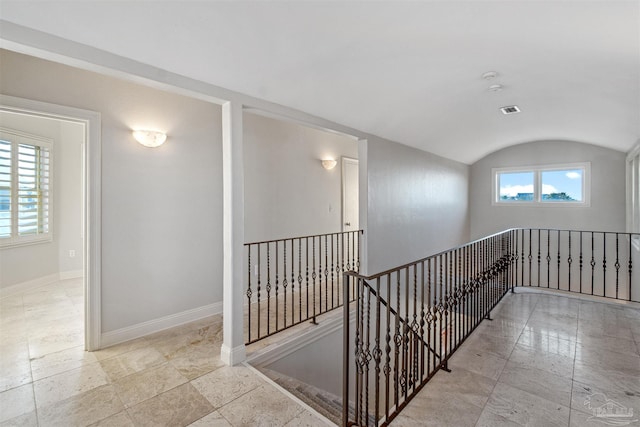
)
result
[(307, 275), (417, 315)]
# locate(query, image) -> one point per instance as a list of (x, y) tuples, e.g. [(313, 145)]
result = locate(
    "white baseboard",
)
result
[(575, 295), (29, 285), (277, 351), (233, 356), (145, 328), (73, 274)]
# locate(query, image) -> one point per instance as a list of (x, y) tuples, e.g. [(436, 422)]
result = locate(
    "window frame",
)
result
[(17, 138), (537, 185)]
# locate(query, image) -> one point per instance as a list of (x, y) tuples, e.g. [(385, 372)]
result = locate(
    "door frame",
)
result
[(345, 161), (91, 212)]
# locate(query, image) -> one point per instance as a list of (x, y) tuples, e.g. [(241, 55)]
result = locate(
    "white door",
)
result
[(349, 194)]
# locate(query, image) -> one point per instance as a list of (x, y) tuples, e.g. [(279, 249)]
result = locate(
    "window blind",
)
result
[(25, 188)]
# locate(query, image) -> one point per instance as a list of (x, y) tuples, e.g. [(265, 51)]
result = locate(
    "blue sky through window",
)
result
[(557, 185), (516, 186), (562, 181)]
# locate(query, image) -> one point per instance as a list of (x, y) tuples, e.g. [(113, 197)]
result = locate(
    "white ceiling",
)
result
[(406, 71)]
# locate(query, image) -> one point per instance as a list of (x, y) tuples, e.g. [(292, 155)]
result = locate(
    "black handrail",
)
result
[(451, 292)]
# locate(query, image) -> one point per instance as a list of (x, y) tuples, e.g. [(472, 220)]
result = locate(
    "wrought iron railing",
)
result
[(587, 262), (293, 280), (411, 319)]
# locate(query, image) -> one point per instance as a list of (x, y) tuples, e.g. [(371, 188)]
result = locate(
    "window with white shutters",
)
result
[(25, 188)]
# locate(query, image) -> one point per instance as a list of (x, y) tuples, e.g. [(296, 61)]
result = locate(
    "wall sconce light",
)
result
[(150, 138), (329, 164)]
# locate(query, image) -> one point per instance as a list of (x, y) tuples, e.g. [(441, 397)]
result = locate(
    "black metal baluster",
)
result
[(326, 273), (377, 352), (548, 258), (342, 270), (300, 281), (313, 278), (397, 340), (569, 262), (277, 287), (458, 293), (249, 294), (358, 353), (414, 325), (405, 333), (306, 264), (332, 276), (358, 260), (269, 289), (522, 258), (429, 318), (367, 353), (630, 264), (469, 288), (581, 261), (349, 251), (593, 263), (422, 349), (293, 285), (320, 274), (617, 264), (449, 303), (530, 257), (285, 284), (387, 350), (558, 283), (539, 258), (604, 264), (515, 260), (259, 271)]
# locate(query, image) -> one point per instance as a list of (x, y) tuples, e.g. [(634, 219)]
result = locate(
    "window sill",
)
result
[(29, 242)]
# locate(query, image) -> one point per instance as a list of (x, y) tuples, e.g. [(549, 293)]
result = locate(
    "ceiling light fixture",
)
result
[(150, 138), (496, 88)]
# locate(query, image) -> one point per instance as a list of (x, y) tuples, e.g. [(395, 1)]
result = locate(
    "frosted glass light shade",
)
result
[(150, 138), (329, 164)]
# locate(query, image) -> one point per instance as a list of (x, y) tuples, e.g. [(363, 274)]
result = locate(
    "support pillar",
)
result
[(233, 349)]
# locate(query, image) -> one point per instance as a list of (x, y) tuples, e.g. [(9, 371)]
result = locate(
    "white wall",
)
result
[(27, 263), (161, 208), (68, 193), (417, 204), (607, 210), (287, 191)]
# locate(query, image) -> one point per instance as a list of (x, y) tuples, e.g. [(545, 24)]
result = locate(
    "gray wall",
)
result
[(417, 204), (607, 209), (287, 191), (161, 208), (25, 263)]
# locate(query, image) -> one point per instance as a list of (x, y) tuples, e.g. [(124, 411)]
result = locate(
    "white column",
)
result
[(233, 348)]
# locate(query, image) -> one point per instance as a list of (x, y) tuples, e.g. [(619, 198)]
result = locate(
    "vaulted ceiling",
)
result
[(407, 71)]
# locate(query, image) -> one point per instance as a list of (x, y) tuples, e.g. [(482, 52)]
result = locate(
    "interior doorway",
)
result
[(350, 194), (76, 211)]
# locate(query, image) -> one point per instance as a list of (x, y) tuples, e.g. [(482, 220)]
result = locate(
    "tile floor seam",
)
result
[(573, 371), (512, 350)]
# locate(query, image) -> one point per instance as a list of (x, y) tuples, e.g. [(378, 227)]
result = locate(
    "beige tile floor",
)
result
[(543, 361), (536, 364), (172, 378)]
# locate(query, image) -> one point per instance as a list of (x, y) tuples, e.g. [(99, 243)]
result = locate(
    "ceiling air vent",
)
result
[(510, 109)]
